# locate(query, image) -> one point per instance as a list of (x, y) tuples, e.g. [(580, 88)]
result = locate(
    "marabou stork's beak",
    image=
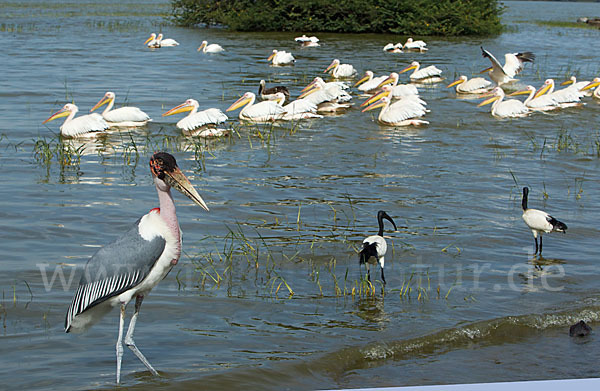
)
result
[(177, 179)]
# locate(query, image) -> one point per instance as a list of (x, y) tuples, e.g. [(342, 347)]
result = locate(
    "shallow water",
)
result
[(291, 204)]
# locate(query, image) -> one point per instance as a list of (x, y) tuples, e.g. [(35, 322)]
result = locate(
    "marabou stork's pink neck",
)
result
[(167, 212)]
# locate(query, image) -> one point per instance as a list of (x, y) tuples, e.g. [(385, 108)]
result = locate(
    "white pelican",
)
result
[(369, 83), (476, 85), (391, 48), (127, 116), (507, 108), (513, 65), (329, 97), (340, 70), (594, 83), (375, 247), (307, 41), (541, 103), (402, 113), (577, 84), (264, 111), (387, 90), (212, 48), (86, 125), (298, 109), (427, 75), (166, 42), (399, 90), (567, 97), (319, 80), (539, 221), (270, 93), (415, 45), (201, 123), (152, 41), (281, 57)]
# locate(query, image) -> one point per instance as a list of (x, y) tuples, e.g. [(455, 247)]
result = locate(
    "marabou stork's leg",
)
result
[(382, 277), (120, 343), (541, 244), (129, 337), (536, 246)]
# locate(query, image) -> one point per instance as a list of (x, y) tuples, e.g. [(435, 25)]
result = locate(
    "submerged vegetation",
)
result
[(419, 17)]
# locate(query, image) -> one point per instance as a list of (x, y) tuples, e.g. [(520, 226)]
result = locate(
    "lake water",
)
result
[(466, 300)]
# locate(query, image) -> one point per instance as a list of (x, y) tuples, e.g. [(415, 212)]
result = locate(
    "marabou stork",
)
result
[(135, 263)]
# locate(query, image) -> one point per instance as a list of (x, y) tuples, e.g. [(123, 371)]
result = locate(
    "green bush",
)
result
[(418, 17)]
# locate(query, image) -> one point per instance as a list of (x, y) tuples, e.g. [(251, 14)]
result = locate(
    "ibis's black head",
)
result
[(382, 215), (161, 163), (524, 200)]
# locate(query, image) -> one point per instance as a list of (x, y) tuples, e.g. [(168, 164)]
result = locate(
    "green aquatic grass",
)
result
[(565, 24)]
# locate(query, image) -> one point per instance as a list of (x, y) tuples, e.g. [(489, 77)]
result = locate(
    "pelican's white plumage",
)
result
[(212, 48), (165, 42), (415, 45), (393, 48), (298, 109), (83, 126), (405, 112), (513, 65), (340, 70), (505, 108), (265, 111), (593, 84), (567, 97), (127, 116), (196, 120), (307, 41), (152, 41), (541, 103), (281, 57), (476, 85), (399, 90), (369, 83), (430, 74), (576, 84), (329, 97)]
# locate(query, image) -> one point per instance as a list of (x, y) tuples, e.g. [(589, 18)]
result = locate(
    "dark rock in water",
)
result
[(580, 329)]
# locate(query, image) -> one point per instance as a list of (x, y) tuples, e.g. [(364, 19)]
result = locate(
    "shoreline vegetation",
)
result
[(415, 17)]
